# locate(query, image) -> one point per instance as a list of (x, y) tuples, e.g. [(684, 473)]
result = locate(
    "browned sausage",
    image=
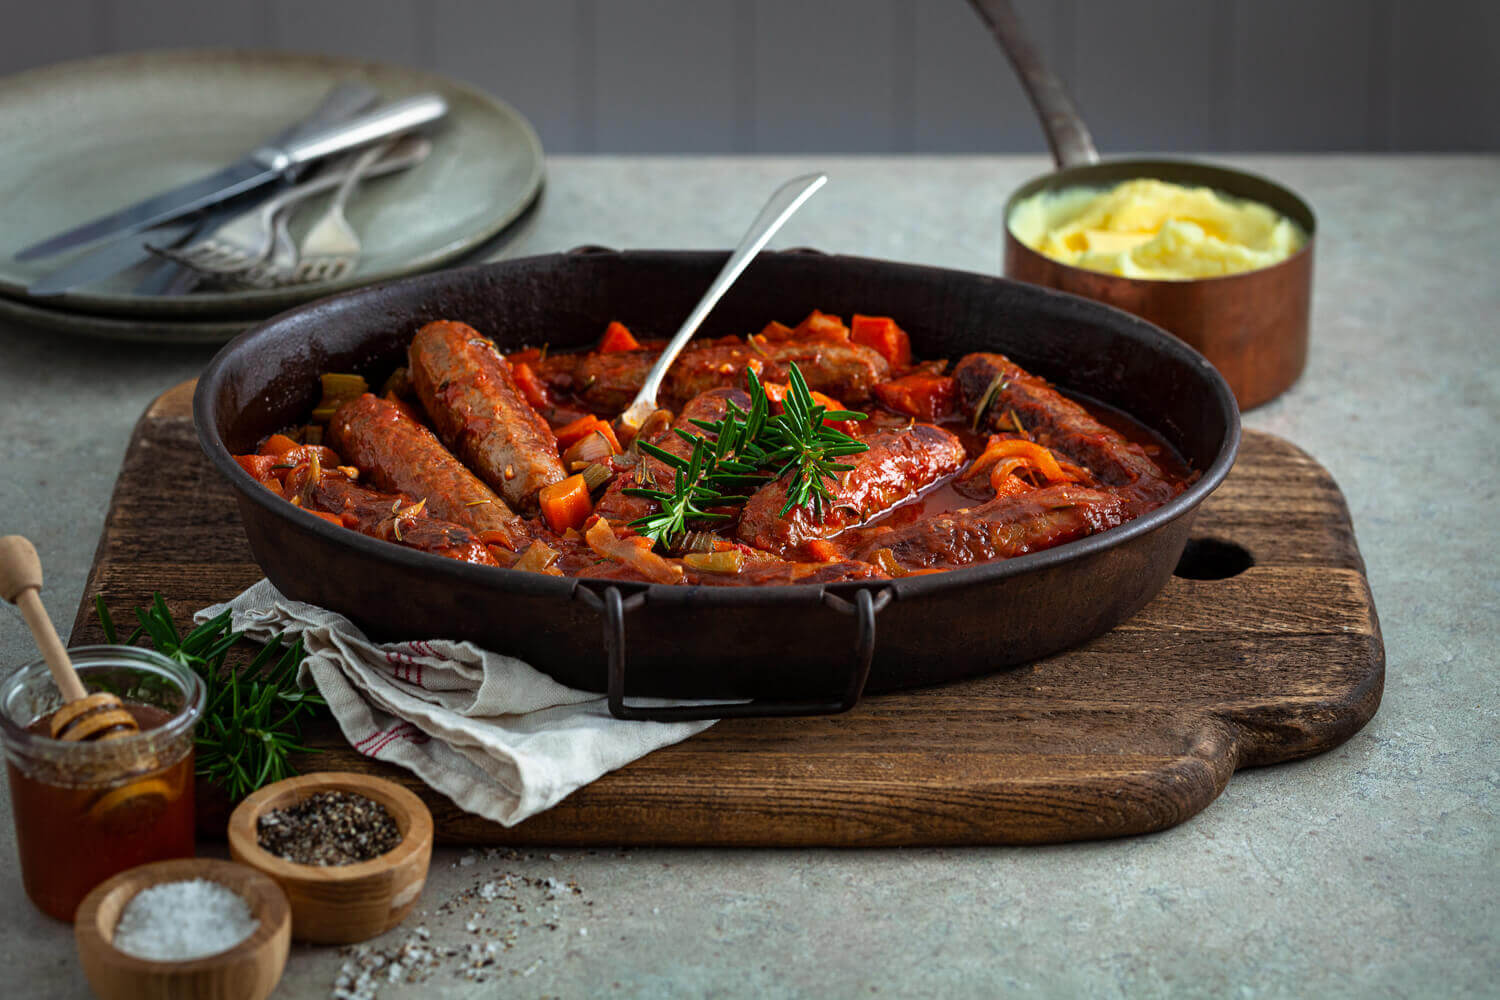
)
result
[(465, 384), (608, 382), (399, 455), (1058, 423), (901, 462), (998, 529), (847, 372), (389, 517)]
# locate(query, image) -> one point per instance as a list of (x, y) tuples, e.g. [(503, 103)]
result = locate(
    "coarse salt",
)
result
[(176, 921)]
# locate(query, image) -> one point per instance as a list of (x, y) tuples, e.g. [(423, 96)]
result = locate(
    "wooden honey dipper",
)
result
[(98, 716)]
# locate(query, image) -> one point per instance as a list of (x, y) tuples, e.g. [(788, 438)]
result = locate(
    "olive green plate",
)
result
[(200, 330), (85, 138)]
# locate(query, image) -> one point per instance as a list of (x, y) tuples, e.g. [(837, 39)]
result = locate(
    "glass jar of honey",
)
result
[(85, 811)]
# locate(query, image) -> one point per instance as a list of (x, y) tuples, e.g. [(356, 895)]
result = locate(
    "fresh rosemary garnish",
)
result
[(693, 493), (750, 448), (253, 712), (801, 444)]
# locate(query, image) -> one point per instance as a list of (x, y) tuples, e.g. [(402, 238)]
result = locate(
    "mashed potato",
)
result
[(1152, 229)]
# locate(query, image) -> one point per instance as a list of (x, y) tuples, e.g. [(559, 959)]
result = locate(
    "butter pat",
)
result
[(1152, 229)]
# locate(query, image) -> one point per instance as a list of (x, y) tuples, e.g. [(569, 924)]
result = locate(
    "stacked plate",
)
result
[(87, 138)]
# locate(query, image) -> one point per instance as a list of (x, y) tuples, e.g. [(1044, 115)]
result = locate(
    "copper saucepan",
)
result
[(1252, 326)]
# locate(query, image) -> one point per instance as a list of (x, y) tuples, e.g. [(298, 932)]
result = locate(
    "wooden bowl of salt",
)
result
[(195, 907), (335, 900)]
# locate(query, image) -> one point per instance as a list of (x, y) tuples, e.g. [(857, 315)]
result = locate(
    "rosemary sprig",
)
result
[(748, 449), (693, 493), (803, 446), (253, 712)]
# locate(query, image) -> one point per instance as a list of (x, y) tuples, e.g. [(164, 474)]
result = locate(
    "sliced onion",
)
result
[(886, 560), (589, 450), (538, 558), (633, 551)]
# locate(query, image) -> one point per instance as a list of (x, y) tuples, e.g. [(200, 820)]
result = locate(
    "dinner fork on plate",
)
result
[(332, 247), (249, 239)]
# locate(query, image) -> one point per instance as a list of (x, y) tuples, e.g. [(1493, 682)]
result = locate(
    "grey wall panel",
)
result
[(966, 96), (159, 24), (822, 76), (71, 29), (388, 30), (1445, 75), (526, 51), (1153, 74), (707, 76), (1304, 76), (667, 73)]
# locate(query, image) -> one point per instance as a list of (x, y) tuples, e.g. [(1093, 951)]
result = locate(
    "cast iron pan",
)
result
[(791, 649), (1253, 326)]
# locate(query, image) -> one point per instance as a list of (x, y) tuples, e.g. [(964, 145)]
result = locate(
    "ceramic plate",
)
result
[(86, 138), (206, 330)]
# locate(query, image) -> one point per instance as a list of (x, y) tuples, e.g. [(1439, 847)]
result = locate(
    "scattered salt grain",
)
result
[(176, 921)]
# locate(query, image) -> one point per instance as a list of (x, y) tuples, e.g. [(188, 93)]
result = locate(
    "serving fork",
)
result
[(250, 239)]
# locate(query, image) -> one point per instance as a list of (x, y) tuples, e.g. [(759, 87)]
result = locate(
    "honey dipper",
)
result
[(98, 716)]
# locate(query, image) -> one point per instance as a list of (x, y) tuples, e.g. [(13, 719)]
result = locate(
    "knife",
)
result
[(266, 164), (167, 277), (124, 252)]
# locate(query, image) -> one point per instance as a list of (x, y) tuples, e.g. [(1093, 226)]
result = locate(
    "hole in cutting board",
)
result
[(1212, 559)]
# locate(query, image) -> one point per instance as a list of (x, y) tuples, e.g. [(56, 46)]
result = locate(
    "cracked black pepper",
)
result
[(329, 828)]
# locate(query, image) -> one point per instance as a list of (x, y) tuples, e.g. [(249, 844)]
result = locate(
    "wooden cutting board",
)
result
[(1136, 731)]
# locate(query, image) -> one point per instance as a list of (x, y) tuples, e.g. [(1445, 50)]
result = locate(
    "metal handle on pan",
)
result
[(864, 607)]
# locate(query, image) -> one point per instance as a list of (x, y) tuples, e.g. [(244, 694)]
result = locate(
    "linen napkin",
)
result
[(497, 736)]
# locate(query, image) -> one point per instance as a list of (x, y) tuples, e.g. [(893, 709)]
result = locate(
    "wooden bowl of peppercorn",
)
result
[(327, 839)]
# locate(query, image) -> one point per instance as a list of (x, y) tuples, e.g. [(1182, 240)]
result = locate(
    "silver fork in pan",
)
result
[(249, 239)]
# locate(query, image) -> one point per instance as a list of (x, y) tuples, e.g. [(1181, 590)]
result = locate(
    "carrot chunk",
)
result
[(775, 331), (570, 434), (278, 445), (926, 397), (531, 387), (882, 334), (259, 466), (821, 326), (617, 337), (566, 504)]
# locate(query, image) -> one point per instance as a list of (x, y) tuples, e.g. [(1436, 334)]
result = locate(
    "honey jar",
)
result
[(85, 811)]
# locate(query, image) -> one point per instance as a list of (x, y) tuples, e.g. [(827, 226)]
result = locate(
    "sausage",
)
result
[(1058, 423), (466, 386), (387, 516), (901, 462), (847, 372), (998, 529), (709, 406), (608, 382), (399, 455)]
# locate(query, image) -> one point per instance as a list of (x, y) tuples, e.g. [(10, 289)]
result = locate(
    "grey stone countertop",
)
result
[(1373, 870)]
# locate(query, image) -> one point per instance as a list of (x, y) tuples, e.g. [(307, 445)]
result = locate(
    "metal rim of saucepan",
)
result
[(301, 336)]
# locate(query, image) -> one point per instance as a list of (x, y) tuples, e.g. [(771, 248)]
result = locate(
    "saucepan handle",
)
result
[(1066, 133), (613, 607)]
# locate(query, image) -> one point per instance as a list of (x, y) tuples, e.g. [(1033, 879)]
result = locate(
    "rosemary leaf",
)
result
[(252, 712)]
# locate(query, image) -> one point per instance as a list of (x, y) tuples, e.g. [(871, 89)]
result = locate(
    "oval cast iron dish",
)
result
[(792, 649)]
